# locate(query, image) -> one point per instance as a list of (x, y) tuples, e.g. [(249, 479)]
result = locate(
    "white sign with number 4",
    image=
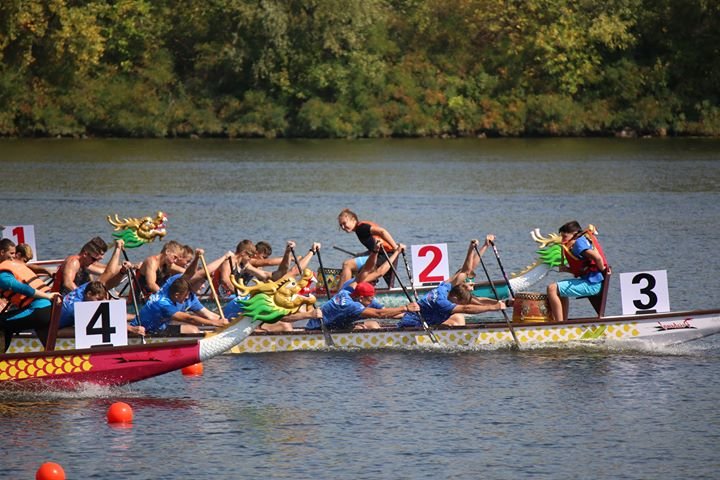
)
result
[(102, 323)]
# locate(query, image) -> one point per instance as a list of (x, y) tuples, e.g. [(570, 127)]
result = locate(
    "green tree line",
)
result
[(359, 68)]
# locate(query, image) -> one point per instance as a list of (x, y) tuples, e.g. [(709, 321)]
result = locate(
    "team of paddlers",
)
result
[(165, 286)]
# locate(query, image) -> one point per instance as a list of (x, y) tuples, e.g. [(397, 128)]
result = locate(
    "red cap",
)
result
[(363, 289)]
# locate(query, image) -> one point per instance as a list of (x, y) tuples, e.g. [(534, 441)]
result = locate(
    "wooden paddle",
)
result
[(328, 338), (212, 287), (497, 297), (425, 326)]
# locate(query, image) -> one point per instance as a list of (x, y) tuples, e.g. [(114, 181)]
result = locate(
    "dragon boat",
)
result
[(530, 323), (644, 329), (63, 367)]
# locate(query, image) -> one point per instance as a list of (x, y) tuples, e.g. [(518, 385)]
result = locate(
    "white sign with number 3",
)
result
[(644, 292), (101, 323), (430, 263)]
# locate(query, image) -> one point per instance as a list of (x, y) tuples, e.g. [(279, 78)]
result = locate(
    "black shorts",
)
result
[(172, 330)]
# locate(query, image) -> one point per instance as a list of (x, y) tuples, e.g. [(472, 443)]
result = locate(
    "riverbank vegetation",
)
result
[(359, 68)]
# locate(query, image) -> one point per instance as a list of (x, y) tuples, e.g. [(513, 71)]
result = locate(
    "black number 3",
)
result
[(647, 290)]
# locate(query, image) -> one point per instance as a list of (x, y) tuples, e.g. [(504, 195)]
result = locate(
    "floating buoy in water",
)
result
[(193, 370), (120, 412), (50, 471)]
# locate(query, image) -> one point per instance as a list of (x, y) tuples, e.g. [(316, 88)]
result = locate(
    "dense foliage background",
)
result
[(357, 68)]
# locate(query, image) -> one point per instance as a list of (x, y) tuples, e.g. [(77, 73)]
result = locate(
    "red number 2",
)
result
[(425, 275)]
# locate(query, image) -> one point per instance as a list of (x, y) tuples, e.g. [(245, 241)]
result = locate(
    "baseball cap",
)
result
[(363, 289)]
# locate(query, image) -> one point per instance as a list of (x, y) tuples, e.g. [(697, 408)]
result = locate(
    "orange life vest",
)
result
[(580, 266), (23, 274)]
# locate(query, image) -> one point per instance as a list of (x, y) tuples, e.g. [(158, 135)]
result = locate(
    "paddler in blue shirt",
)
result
[(352, 305), (449, 302), (177, 303)]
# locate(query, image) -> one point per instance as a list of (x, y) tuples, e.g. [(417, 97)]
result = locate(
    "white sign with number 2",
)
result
[(430, 263)]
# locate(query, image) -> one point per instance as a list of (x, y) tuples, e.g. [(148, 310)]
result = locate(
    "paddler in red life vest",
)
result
[(27, 296), (369, 234), (585, 260)]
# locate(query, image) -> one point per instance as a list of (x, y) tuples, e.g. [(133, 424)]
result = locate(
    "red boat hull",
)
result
[(106, 366)]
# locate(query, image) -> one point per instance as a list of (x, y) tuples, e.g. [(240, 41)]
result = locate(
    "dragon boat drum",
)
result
[(531, 307)]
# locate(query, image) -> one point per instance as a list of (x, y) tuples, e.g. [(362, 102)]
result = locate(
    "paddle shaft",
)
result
[(131, 280), (348, 251), (497, 297), (328, 338), (295, 259), (409, 275), (425, 326), (212, 287), (502, 269)]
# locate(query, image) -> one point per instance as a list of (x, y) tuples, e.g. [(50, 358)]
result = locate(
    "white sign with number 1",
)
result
[(102, 323), (21, 234), (644, 292)]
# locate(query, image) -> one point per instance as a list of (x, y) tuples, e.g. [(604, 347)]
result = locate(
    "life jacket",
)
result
[(23, 274), (370, 240), (580, 266)]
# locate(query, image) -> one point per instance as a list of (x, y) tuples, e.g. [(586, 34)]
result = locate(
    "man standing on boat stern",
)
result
[(352, 305), (369, 234), (585, 260)]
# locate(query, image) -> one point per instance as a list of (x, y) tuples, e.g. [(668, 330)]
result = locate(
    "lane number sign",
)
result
[(102, 323), (644, 292), (430, 263), (21, 234)]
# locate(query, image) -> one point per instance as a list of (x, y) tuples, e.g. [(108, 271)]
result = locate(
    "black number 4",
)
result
[(102, 314)]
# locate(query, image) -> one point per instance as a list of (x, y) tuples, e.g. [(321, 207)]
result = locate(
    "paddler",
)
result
[(175, 308), (585, 260), (29, 298), (449, 302), (350, 306)]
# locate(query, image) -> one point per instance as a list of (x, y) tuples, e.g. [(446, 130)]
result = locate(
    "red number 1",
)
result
[(19, 233), (425, 275)]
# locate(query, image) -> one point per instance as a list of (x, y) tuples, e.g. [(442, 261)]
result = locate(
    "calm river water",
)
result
[(570, 412)]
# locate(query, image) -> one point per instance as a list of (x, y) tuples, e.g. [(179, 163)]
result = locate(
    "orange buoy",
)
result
[(50, 471), (120, 412), (194, 370)]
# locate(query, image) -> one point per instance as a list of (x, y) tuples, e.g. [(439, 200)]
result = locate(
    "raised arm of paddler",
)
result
[(304, 261), (113, 274), (199, 278), (471, 258), (192, 267), (284, 266)]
